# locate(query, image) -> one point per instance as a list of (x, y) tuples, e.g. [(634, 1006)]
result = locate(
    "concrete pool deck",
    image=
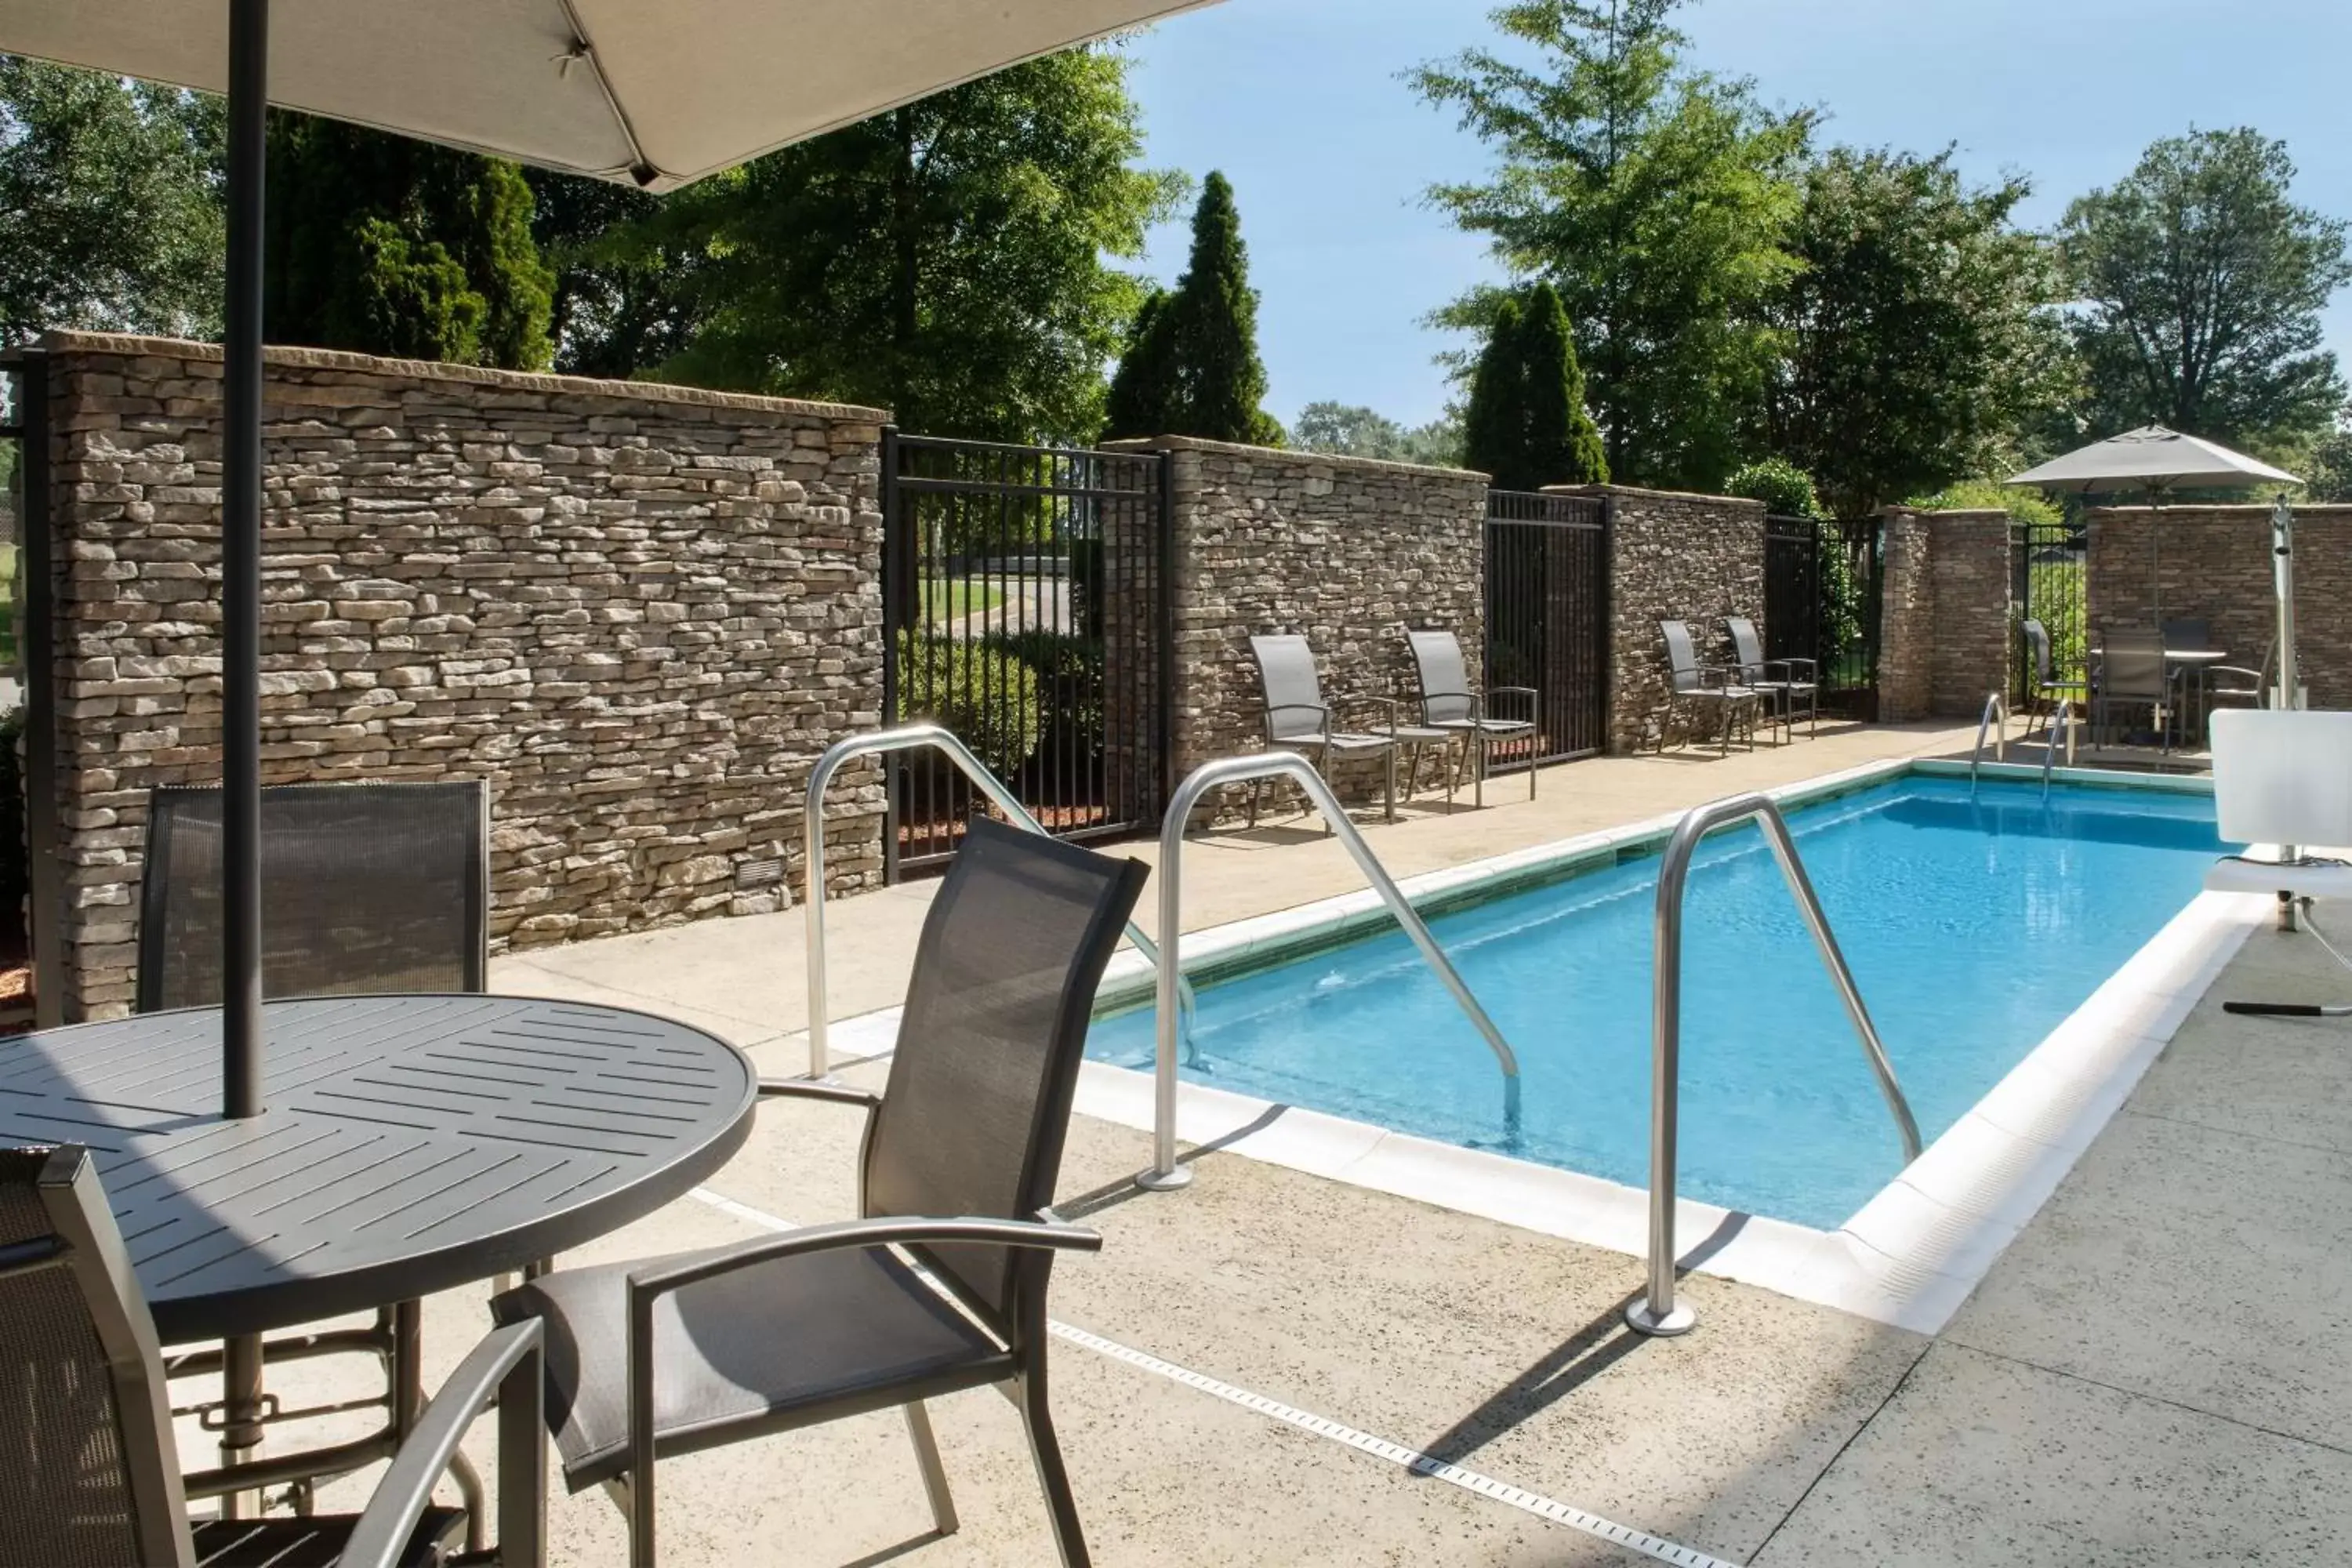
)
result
[(1271, 1368)]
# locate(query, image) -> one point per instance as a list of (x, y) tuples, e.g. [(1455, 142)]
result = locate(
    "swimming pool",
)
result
[(1973, 927)]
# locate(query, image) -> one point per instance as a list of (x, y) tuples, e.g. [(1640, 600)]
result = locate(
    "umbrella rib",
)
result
[(642, 168)]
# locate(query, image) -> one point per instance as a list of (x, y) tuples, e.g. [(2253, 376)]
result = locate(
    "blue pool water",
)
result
[(1972, 928)]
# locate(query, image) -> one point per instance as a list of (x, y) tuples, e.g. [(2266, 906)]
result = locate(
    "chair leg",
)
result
[(935, 1474), (1052, 1479)]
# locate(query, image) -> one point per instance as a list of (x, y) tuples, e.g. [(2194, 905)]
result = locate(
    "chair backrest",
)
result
[(2131, 664), (1444, 674), (365, 888), (2037, 644), (2190, 633), (2283, 775), (88, 1479), (1746, 647), (1285, 678), (1681, 655), (972, 1120)]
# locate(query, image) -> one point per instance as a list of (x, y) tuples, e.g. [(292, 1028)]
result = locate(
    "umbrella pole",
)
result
[(248, 100), (2283, 571)]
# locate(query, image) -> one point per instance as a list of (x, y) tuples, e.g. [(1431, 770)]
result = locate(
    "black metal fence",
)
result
[(2050, 567), (1024, 607), (25, 452), (1822, 583), (1547, 619)]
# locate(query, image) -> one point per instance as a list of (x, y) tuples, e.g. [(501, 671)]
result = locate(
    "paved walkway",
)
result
[(1270, 1368)]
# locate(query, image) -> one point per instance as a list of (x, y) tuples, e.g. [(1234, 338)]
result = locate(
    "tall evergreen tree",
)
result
[(1494, 422), (1561, 443), (1191, 366), (384, 245)]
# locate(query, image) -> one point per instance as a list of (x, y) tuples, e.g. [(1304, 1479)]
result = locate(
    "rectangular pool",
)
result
[(1973, 927)]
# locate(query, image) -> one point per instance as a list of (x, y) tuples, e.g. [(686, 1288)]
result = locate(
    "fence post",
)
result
[(1164, 636), (892, 531)]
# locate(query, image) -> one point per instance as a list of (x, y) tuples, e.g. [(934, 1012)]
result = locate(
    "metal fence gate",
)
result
[(27, 651), (1822, 583), (1547, 619), (2049, 567), (1024, 606)]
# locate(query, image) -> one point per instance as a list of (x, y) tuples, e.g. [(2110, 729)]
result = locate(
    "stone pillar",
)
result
[(1906, 624), (1947, 628)]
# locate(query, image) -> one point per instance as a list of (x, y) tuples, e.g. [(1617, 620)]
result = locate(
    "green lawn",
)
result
[(952, 598)]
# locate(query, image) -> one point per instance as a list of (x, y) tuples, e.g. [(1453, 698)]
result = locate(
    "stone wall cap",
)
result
[(2331, 511), (1639, 493), (290, 358), (1947, 513), (1283, 454)]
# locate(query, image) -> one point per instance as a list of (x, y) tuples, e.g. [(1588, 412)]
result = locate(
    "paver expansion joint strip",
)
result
[(1412, 1459)]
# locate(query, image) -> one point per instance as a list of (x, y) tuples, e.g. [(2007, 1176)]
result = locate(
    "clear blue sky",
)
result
[(1299, 101)]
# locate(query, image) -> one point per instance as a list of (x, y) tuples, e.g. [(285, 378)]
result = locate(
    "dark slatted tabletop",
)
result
[(410, 1143)]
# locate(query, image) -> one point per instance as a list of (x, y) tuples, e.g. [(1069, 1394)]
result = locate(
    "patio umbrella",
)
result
[(2161, 461), (655, 95)]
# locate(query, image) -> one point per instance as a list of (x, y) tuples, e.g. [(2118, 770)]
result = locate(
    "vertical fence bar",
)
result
[(893, 538), (36, 657)]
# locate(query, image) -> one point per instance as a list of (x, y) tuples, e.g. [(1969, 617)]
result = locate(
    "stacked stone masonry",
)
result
[(640, 612), (2213, 563), (1350, 552)]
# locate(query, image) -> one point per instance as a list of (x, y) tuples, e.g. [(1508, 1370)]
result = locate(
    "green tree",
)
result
[(1200, 374), (1655, 197), (2326, 468), (384, 245), (1144, 388), (948, 259), (620, 302), (2200, 284), (1562, 445), (1353, 431), (1918, 334), (1494, 419), (1786, 490), (111, 213)]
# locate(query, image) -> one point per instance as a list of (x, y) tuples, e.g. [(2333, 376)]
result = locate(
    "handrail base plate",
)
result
[(1679, 1320), (1153, 1181)]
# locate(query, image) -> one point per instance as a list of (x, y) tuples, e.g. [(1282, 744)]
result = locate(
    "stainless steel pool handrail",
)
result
[(2062, 730), (906, 738), (1994, 705), (1165, 1173), (1656, 1312)]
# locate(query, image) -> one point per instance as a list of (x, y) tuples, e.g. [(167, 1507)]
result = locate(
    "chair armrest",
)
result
[(646, 1284), (2255, 675), (1534, 699), (1812, 666), (505, 1365), (1366, 699), (810, 1089)]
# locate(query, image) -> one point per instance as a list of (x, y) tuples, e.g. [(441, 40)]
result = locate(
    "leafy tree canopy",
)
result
[(2198, 284), (1991, 495), (1786, 490), (1654, 197), (1191, 366), (1354, 431), (109, 204), (384, 245), (945, 260), (1917, 332)]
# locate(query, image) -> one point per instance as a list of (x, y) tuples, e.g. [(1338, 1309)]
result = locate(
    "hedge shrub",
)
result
[(986, 696)]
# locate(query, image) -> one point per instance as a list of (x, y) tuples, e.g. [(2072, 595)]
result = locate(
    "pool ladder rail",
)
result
[(1166, 1171), (1996, 721), (909, 738), (1658, 1313)]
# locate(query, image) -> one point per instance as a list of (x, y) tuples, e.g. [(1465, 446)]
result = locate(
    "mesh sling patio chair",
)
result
[(365, 888), (1797, 678), (690, 1351), (89, 1474), (1298, 719), (2240, 686), (1695, 686), (2045, 690), (1451, 707), (2132, 674)]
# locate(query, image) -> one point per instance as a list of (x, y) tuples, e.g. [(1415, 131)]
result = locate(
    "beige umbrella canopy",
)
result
[(654, 92), (660, 92)]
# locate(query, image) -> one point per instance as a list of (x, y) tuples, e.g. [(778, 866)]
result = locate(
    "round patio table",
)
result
[(410, 1144)]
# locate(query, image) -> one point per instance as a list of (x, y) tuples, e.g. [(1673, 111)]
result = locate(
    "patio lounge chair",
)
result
[(2131, 674), (1448, 704), (1695, 686), (89, 1473), (1299, 720), (365, 888), (2283, 776), (1797, 678), (2044, 690), (675, 1354)]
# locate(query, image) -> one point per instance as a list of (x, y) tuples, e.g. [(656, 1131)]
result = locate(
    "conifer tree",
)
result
[(1494, 422), (1562, 444), (1191, 366), (1140, 390)]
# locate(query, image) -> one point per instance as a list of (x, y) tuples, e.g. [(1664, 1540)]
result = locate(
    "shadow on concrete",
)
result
[(1114, 1193)]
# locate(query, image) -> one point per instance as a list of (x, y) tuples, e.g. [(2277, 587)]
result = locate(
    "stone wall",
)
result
[(2214, 562), (639, 611), (1672, 556), (1350, 552), (1945, 617)]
